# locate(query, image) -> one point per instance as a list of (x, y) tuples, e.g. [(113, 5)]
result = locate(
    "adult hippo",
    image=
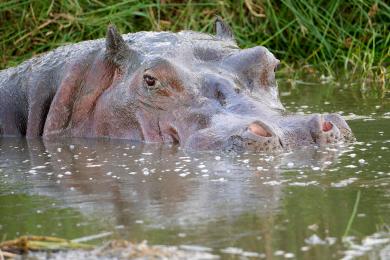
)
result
[(199, 90)]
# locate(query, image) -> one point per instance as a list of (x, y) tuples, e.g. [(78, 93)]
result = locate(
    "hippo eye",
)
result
[(149, 80), (220, 97)]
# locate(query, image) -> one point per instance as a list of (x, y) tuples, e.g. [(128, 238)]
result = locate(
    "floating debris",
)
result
[(25, 244)]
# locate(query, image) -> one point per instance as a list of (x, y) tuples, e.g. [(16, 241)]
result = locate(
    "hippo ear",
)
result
[(223, 30), (117, 51)]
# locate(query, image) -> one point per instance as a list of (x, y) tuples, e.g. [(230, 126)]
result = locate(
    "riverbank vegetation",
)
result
[(327, 36)]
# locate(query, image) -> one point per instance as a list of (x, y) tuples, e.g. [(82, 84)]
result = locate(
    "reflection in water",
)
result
[(272, 204)]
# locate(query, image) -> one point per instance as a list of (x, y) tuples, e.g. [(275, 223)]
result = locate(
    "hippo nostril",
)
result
[(257, 129), (174, 135), (327, 126)]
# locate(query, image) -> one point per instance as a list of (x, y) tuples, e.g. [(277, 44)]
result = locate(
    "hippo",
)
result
[(198, 90)]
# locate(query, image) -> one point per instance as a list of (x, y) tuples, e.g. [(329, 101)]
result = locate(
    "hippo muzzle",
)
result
[(287, 132)]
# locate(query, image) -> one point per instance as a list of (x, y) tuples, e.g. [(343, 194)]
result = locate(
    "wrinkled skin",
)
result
[(201, 91)]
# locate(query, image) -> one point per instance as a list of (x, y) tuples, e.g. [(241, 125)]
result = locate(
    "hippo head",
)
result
[(198, 90)]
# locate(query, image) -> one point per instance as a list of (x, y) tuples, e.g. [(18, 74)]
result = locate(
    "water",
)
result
[(283, 205)]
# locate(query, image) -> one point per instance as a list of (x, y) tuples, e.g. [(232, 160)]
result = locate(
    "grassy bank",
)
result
[(325, 35)]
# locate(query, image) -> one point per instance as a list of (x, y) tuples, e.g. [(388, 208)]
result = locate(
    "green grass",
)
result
[(353, 214), (326, 36)]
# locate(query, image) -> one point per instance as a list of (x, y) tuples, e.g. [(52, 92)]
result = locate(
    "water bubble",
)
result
[(305, 248), (314, 240), (33, 172), (39, 167)]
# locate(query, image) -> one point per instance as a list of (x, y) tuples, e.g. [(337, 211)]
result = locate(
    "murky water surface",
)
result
[(297, 204)]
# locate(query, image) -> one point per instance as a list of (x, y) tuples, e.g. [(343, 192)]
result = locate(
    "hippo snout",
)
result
[(274, 135)]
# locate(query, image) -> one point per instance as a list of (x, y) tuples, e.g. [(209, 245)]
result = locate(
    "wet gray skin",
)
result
[(201, 91)]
